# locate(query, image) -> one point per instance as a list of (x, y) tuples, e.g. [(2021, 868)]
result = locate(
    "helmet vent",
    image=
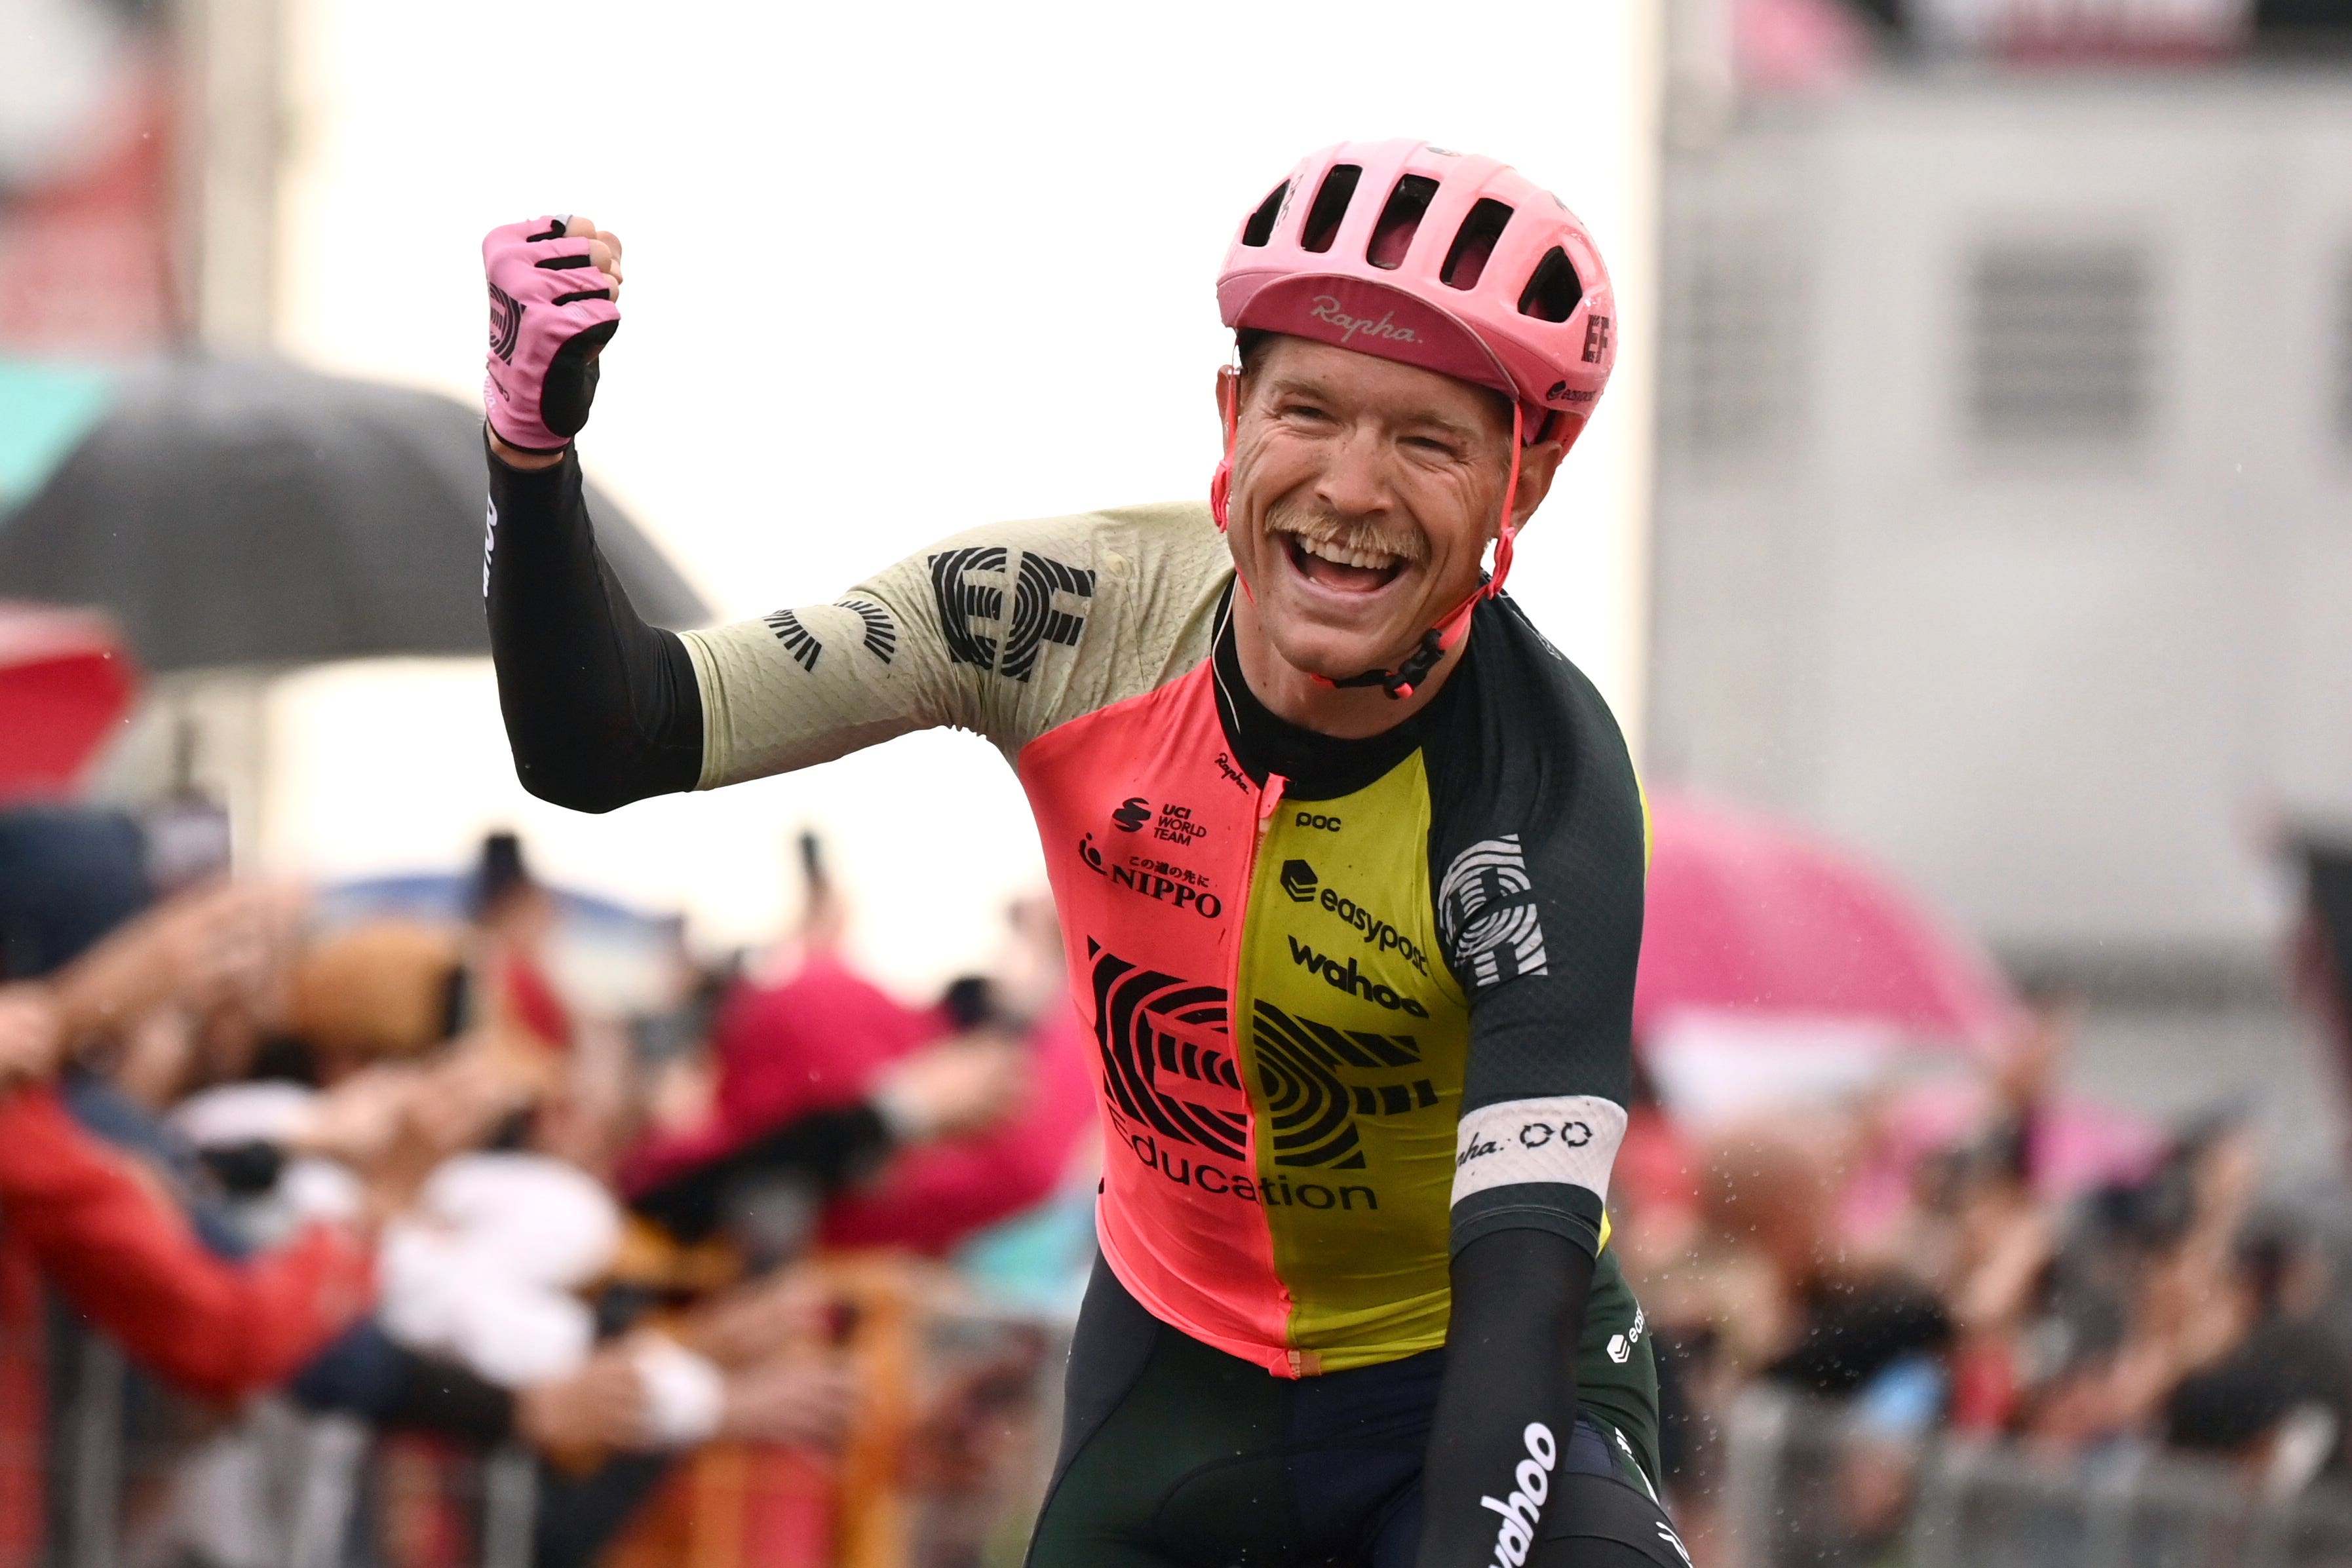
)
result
[(1473, 242), (1331, 206), (1260, 227), (1552, 292), (1399, 221)]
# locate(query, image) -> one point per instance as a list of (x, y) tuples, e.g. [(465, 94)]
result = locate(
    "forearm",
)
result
[(601, 709), (824, 1149), (1509, 1401)]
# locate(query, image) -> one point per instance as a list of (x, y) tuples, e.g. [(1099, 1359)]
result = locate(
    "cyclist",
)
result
[(1348, 861)]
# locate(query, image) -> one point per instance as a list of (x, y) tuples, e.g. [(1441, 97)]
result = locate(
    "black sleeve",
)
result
[(828, 1149), (601, 708), (1508, 1395), (1539, 856), (437, 1396)]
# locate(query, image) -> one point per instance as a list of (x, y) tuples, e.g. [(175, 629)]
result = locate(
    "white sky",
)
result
[(893, 271)]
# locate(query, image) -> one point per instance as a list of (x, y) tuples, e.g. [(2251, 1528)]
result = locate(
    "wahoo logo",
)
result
[(1132, 813), (1348, 977), (1298, 880), (506, 323), (1522, 1510), (490, 544), (1327, 308)]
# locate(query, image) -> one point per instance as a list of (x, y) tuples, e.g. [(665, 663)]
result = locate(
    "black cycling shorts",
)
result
[(1175, 1455)]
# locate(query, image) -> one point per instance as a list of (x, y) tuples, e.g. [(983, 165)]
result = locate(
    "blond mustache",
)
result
[(1319, 525)]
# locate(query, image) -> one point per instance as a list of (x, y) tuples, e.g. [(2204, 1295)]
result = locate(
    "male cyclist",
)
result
[(1348, 860)]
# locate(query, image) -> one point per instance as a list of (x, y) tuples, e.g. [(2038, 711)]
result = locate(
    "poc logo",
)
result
[(1316, 820)]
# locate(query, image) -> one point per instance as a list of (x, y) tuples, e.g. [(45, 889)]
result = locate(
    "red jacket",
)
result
[(816, 1041), (118, 1250)]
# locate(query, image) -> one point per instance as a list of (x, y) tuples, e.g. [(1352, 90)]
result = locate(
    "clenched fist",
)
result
[(555, 290)]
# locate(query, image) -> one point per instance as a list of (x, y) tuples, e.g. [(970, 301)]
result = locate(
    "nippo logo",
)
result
[(1327, 308)]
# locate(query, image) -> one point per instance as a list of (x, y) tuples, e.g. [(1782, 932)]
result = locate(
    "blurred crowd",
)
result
[(762, 1266), (1946, 1262), (316, 1169)]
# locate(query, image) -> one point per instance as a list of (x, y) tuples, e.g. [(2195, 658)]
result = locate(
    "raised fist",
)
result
[(555, 289)]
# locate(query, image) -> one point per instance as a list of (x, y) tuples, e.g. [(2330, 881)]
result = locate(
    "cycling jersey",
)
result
[(1340, 988), (1361, 1009)]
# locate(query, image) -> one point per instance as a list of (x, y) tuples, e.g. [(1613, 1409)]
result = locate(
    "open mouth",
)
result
[(1338, 567)]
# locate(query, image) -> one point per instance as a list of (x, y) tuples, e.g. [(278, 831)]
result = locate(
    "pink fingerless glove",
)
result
[(546, 332)]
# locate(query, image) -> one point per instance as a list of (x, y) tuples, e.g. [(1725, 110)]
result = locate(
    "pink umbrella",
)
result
[(1749, 916)]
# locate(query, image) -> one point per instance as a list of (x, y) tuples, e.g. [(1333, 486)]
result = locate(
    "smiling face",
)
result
[(1365, 493)]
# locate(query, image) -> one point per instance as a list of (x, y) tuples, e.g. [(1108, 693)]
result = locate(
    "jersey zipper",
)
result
[(1303, 1362)]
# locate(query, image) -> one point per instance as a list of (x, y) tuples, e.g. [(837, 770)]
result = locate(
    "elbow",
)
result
[(575, 791)]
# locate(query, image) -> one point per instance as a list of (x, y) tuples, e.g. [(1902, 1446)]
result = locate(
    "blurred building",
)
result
[(2004, 468)]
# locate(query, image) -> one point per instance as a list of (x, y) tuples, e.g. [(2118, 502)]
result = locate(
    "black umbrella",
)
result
[(248, 512)]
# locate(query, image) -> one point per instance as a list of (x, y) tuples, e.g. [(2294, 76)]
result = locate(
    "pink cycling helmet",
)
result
[(1455, 263)]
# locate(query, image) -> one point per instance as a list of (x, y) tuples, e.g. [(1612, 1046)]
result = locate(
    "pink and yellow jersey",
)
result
[(1355, 1003)]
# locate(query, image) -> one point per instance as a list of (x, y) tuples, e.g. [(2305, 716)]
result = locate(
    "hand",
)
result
[(758, 1320), (32, 1035), (599, 1406), (801, 1400), (962, 1086), (226, 944), (555, 290)]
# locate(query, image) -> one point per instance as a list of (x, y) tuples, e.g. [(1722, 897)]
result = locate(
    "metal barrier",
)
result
[(1805, 1485), (138, 1479)]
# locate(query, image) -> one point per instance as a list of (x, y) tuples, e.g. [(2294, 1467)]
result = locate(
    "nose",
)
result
[(1354, 482)]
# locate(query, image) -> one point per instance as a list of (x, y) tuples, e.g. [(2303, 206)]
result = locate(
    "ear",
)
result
[(1537, 465)]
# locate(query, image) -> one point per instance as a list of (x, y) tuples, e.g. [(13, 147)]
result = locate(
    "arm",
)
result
[(118, 1252), (1540, 873), (601, 708)]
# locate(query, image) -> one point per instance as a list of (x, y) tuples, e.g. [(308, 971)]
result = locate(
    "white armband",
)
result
[(1569, 1138)]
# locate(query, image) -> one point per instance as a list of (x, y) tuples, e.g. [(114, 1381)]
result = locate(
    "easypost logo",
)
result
[(1299, 881), (1522, 1510), (1621, 1345)]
